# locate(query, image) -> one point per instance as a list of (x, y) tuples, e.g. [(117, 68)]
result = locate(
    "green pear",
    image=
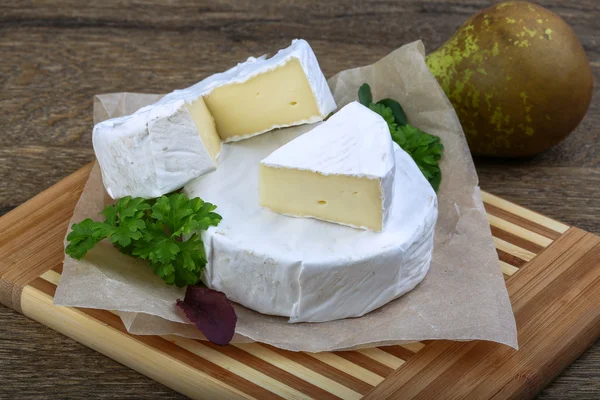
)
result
[(517, 77)]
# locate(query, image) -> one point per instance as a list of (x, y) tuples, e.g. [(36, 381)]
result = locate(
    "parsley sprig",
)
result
[(425, 149), (164, 231)]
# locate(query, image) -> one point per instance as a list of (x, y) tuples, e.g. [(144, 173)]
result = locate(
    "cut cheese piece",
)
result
[(163, 146), (342, 171), (347, 200), (279, 97), (304, 268), (205, 124), (156, 150), (262, 94)]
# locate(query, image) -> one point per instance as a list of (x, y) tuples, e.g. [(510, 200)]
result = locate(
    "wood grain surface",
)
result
[(57, 54)]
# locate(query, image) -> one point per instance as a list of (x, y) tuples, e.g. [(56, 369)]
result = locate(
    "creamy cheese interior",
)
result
[(279, 97), (206, 127), (344, 199)]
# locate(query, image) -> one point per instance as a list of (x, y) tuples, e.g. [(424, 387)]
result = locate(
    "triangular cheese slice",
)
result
[(342, 171)]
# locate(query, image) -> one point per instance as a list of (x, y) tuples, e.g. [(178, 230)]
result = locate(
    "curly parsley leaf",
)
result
[(202, 216), (181, 215), (129, 229), (397, 110), (126, 218), (386, 113), (84, 236), (190, 258), (155, 246), (166, 233), (129, 207), (172, 211), (153, 230), (425, 149)]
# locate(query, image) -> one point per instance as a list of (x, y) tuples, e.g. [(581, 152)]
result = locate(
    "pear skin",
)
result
[(518, 78)]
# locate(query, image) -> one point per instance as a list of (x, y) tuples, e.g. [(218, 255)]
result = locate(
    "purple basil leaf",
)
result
[(211, 311)]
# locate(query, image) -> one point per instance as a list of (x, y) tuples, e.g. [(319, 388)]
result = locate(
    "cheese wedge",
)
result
[(262, 94), (156, 150), (163, 146), (341, 171), (304, 268)]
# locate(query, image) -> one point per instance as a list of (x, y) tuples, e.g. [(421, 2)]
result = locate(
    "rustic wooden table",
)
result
[(56, 54)]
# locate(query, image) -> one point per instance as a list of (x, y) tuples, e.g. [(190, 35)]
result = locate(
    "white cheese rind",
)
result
[(355, 141), (130, 152), (152, 152), (299, 49), (306, 269)]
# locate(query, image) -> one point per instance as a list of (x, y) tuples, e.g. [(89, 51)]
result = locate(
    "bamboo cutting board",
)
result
[(552, 273)]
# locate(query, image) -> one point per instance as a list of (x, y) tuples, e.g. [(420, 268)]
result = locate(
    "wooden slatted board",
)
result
[(552, 273)]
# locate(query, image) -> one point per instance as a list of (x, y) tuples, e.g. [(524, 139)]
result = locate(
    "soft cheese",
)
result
[(156, 150), (304, 268), (262, 94), (342, 171)]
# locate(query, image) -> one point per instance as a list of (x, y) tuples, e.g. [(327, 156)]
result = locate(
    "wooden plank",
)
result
[(264, 373), (342, 374), (523, 215), (30, 223), (519, 231), (330, 391), (161, 346), (32, 235), (510, 259), (296, 369), (517, 220), (555, 299), (514, 240), (382, 357), (398, 351), (508, 269), (51, 276), (47, 210), (513, 250), (413, 346), (143, 357), (357, 371), (365, 362), (240, 369)]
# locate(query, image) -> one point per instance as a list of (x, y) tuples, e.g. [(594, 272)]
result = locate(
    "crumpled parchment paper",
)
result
[(463, 297)]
